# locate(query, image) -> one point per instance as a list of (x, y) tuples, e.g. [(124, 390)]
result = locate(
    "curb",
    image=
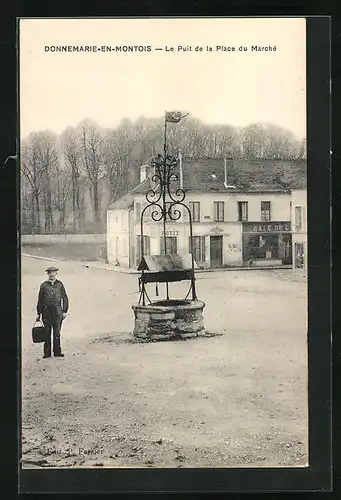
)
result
[(94, 265), (86, 264)]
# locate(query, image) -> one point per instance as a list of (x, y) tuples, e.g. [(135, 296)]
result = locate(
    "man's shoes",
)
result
[(46, 356), (59, 355)]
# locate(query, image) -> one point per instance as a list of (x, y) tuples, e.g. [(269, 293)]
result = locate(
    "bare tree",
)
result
[(62, 194), (279, 143), (91, 144), (113, 161), (253, 141), (49, 158), (71, 148), (38, 155), (105, 163)]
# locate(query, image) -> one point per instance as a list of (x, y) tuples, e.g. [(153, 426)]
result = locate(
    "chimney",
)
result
[(227, 186), (181, 173), (152, 174)]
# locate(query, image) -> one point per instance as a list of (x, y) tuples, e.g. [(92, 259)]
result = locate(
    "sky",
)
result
[(60, 89)]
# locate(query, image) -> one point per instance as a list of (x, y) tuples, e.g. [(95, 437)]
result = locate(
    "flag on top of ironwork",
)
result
[(174, 116)]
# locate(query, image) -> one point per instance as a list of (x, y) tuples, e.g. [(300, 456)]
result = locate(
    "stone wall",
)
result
[(169, 320)]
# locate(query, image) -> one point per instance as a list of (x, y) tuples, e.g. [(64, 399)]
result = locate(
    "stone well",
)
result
[(169, 320)]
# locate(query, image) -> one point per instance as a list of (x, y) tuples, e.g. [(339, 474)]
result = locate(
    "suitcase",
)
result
[(38, 332)]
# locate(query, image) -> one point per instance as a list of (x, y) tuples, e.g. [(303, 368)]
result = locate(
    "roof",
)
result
[(169, 262), (248, 176), (245, 175), (125, 201)]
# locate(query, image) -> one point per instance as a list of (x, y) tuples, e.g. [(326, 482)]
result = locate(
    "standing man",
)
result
[(53, 304)]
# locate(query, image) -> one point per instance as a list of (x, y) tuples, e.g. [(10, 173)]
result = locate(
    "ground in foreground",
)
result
[(236, 399)]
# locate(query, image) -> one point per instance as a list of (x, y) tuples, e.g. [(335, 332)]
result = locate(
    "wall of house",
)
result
[(231, 233), (118, 237), (280, 205), (122, 241), (299, 199)]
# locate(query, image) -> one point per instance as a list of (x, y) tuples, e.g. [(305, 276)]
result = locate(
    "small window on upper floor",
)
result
[(265, 211), (194, 207), (298, 219), (219, 215), (243, 210)]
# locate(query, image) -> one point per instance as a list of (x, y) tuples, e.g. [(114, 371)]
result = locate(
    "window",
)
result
[(171, 245), (243, 211), (174, 211), (218, 211), (146, 247), (194, 207), (198, 248), (265, 211), (298, 218)]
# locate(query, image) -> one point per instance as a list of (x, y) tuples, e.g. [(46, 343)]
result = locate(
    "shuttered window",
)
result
[(198, 248)]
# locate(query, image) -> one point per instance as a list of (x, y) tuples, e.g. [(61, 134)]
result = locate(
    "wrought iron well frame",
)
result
[(157, 198)]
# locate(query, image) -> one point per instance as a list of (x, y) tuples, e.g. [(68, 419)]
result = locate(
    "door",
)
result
[(270, 246), (216, 251), (299, 255), (286, 250)]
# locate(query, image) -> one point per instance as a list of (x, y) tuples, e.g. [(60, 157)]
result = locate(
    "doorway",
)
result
[(216, 251), (299, 256)]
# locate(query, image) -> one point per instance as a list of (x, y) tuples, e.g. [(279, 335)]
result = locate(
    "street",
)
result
[(237, 398)]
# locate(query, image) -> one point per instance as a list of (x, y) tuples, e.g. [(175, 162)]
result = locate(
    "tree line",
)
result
[(64, 177)]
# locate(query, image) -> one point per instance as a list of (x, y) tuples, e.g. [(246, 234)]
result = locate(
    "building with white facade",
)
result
[(299, 228), (233, 222)]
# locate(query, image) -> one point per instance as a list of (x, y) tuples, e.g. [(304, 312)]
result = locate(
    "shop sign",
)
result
[(170, 233), (266, 227), (216, 230)]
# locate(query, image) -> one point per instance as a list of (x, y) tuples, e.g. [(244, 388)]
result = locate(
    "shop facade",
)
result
[(214, 246), (267, 241), (230, 226)]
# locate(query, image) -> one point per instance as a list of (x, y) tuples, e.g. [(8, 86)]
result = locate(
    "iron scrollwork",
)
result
[(166, 204)]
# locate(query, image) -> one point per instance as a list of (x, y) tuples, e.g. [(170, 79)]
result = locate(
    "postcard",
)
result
[(164, 242)]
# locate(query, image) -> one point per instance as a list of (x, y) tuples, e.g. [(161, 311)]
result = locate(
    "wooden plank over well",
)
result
[(163, 263), (167, 276)]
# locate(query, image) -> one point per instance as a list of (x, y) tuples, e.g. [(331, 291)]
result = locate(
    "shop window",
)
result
[(265, 211), (243, 211), (194, 207), (198, 248), (219, 215), (171, 245), (298, 218)]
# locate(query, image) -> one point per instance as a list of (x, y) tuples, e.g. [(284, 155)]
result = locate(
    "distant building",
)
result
[(299, 228), (231, 225)]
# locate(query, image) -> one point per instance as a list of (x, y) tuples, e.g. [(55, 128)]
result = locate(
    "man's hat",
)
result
[(52, 268)]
